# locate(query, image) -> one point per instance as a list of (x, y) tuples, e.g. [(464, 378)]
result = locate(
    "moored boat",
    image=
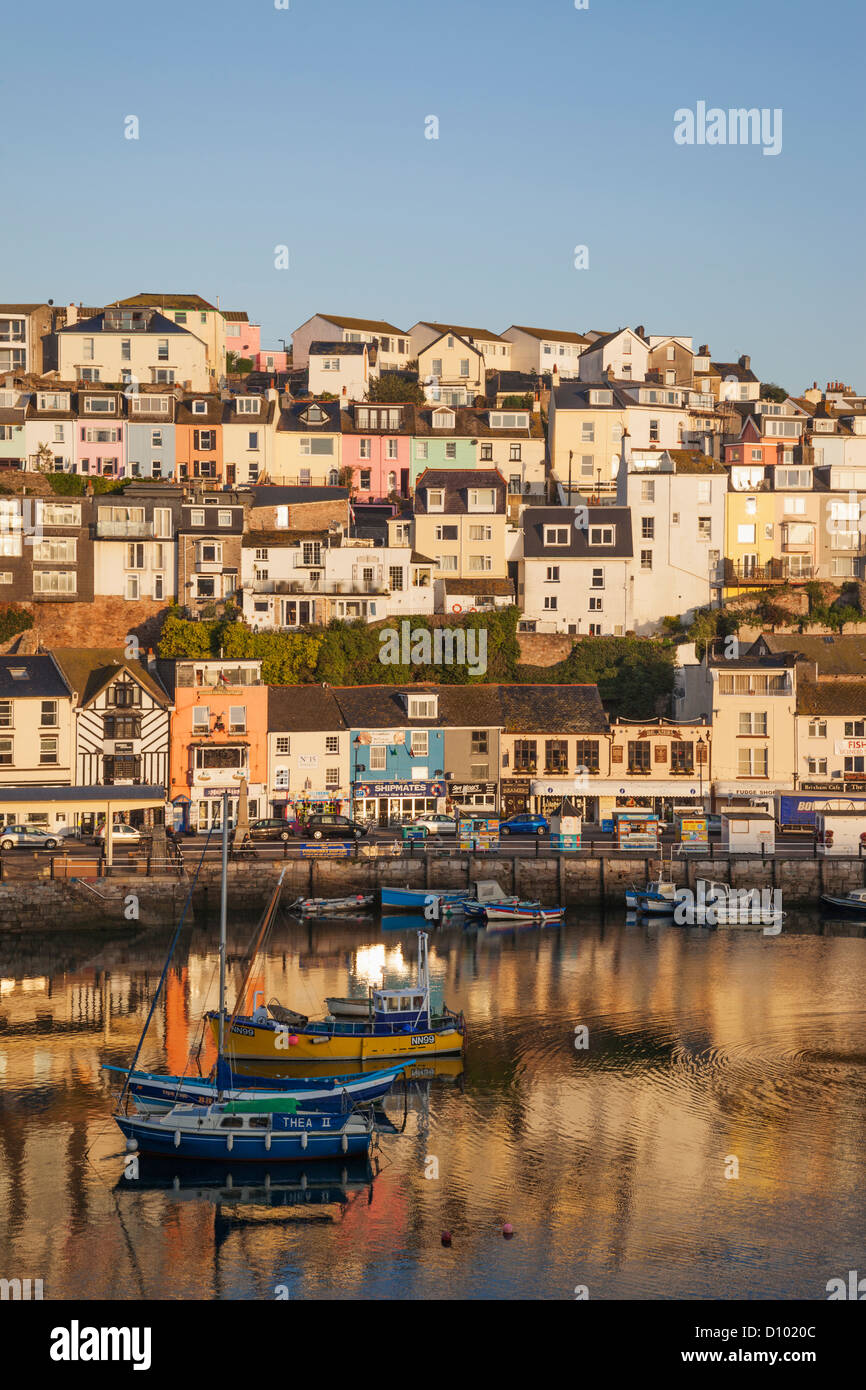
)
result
[(402, 1024), (324, 907), (658, 898), (416, 899), (151, 1091), (853, 903), (492, 905), (247, 1131), (356, 1007), (714, 904)]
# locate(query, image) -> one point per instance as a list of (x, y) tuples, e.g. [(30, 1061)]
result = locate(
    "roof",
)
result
[(88, 670), (157, 323), (235, 315), (272, 495), (367, 325), (455, 482), (554, 709), (42, 678), (291, 418), (834, 656), (726, 369), (165, 301), (559, 335), (322, 348), (22, 308), (304, 709), (606, 338), (103, 793), (832, 697), (758, 656), (694, 461), (462, 332), (578, 547)]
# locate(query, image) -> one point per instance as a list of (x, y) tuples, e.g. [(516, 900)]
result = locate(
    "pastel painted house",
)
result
[(396, 750), (377, 448), (248, 429), (343, 370), (13, 433), (308, 444), (150, 435), (100, 430), (132, 346), (441, 441), (543, 350), (50, 430), (451, 370)]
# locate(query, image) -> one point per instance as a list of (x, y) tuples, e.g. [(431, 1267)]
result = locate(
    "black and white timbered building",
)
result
[(122, 718)]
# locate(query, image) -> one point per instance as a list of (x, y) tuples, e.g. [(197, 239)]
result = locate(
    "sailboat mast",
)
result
[(223, 916)]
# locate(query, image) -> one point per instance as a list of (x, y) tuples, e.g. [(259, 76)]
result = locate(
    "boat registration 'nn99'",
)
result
[(423, 1040)]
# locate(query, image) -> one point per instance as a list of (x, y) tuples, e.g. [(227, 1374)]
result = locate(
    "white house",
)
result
[(624, 355), (543, 350), (343, 369), (576, 578), (395, 348), (132, 345), (495, 350)]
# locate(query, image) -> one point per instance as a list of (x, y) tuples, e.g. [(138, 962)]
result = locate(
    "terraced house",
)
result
[(37, 736), (122, 718)]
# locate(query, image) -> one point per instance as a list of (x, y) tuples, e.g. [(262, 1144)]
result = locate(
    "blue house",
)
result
[(396, 750), (150, 435)]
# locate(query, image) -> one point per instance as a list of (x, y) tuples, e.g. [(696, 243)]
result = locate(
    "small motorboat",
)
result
[(324, 907), (658, 898), (491, 905), (151, 1091), (719, 905), (417, 899), (853, 903), (249, 1130)]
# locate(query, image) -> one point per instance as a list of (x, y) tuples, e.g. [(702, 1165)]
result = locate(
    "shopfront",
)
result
[(513, 795), (289, 806), (548, 794), (394, 802), (206, 807), (474, 796)]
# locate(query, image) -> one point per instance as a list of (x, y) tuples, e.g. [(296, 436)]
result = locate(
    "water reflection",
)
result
[(611, 1161)]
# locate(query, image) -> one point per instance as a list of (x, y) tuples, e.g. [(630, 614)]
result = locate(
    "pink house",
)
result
[(271, 360), (377, 448), (100, 434), (242, 337)]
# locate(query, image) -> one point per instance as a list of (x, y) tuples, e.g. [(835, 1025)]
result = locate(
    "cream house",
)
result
[(308, 752), (132, 346), (451, 370), (752, 699), (194, 315), (543, 350), (623, 355), (36, 727), (460, 522)]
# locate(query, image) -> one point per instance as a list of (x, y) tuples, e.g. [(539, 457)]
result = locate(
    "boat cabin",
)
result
[(408, 1005)]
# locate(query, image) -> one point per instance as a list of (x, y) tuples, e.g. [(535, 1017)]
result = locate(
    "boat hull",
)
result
[(152, 1092), (416, 899), (851, 909), (160, 1140), (340, 1042)]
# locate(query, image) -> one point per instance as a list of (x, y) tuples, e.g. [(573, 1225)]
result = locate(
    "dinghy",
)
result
[(324, 907), (491, 905)]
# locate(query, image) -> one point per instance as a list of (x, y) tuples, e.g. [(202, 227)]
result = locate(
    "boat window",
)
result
[(405, 1004), (232, 1122), (418, 1001), (394, 1006), (258, 1121)]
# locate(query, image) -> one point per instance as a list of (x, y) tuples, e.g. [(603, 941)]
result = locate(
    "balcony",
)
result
[(774, 572), (124, 530), (321, 586)]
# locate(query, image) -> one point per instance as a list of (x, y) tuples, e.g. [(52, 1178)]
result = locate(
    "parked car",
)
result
[(26, 837), (121, 833), (714, 823), (524, 824), (437, 824), (326, 826), (271, 828)]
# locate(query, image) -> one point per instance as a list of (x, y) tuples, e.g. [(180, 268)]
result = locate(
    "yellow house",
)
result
[(754, 706), (307, 445), (586, 422), (193, 313), (750, 540), (460, 521)]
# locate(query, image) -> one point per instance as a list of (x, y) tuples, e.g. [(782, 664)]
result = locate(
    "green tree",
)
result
[(771, 392), (395, 386)]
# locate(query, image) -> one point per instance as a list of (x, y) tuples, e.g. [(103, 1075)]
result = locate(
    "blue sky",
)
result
[(305, 127)]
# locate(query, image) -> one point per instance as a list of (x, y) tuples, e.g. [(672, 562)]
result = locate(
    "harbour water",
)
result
[(707, 1142)]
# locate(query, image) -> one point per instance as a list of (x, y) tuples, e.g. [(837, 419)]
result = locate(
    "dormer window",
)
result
[(556, 535), (52, 400), (314, 415), (601, 535), (435, 499), (601, 398), (99, 405), (443, 419), (482, 499), (509, 420), (199, 407), (248, 405), (422, 706)]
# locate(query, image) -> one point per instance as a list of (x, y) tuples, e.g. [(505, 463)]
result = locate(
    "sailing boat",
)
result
[(401, 1024), (251, 1127)]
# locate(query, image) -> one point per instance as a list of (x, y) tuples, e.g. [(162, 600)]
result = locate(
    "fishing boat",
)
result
[(719, 905), (402, 1024), (248, 1130), (491, 905), (658, 898), (325, 907), (416, 899), (853, 903), (150, 1091)]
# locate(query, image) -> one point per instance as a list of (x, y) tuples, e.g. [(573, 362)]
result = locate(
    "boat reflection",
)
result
[(326, 1182)]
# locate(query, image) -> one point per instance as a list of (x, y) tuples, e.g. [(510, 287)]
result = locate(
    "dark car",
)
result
[(324, 826), (524, 824), (271, 828)]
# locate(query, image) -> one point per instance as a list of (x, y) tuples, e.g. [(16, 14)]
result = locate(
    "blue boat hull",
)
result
[(408, 899), (288, 1145), (330, 1094)]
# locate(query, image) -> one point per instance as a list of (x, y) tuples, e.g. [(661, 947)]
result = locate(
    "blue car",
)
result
[(524, 824)]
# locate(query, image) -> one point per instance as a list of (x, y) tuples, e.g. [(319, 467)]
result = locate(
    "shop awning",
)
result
[(81, 800)]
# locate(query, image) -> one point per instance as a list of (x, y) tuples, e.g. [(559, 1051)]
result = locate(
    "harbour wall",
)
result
[(41, 905)]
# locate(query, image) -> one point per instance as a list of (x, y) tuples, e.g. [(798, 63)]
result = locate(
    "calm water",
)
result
[(610, 1162)]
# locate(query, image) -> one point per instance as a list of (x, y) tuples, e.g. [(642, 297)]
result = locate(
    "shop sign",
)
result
[(400, 788)]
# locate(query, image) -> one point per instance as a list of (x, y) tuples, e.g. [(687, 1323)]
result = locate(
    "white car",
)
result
[(437, 824), (26, 837), (120, 834)]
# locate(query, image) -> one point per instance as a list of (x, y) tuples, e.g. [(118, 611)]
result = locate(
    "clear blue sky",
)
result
[(305, 127)]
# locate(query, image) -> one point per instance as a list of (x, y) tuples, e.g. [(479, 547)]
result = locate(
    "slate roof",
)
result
[(550, 334), (164, 301), (478, 586), (290, 418), (185, 415), (725, 369), (606, 338), (235, 315), (88, 670), (272, 495), (578, 547), (304, 709), (365, 325), (43, 680), (832, 697), (461, 332), (456, 483), (843, 655), (759, 656), (338, 349), (553, 709), (157, 324)]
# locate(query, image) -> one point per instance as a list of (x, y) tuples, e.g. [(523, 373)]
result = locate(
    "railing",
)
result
[(774, 572), (110, 530), (336, 586)]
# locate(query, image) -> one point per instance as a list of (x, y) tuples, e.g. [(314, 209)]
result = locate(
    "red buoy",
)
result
[(446, 1237), (507, 1230)]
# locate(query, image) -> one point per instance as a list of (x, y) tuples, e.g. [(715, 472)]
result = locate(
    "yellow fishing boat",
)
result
[(401, 1025)]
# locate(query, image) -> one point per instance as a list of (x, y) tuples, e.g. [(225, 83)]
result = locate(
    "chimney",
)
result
[(640, 331), (704, 350), (745, 362)]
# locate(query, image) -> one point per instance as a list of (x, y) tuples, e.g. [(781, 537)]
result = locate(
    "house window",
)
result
[(752, 762), (705, 528), (855, 764), (855, 728), (486, 453), (596, 603), (556, 755), (601, 535), (395, 577), (587, 432), (378, 758), (48, 751), (682, 756), (646, 559), (647, 490), (332, 777), (639, 755), (587, 755), (332, 744), (817, 766), (237, 719), (366, 477), (552, 575), (480, 741), (550, 602), (422, 706), (283, 744), (451, 450), (524, 755), (435, 500), (419, 743), (817, 728), (48, 717), (55, 582), (648, 528), (597, 581), (5, 752), (556, 535), (5, 714), (514, 453)]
